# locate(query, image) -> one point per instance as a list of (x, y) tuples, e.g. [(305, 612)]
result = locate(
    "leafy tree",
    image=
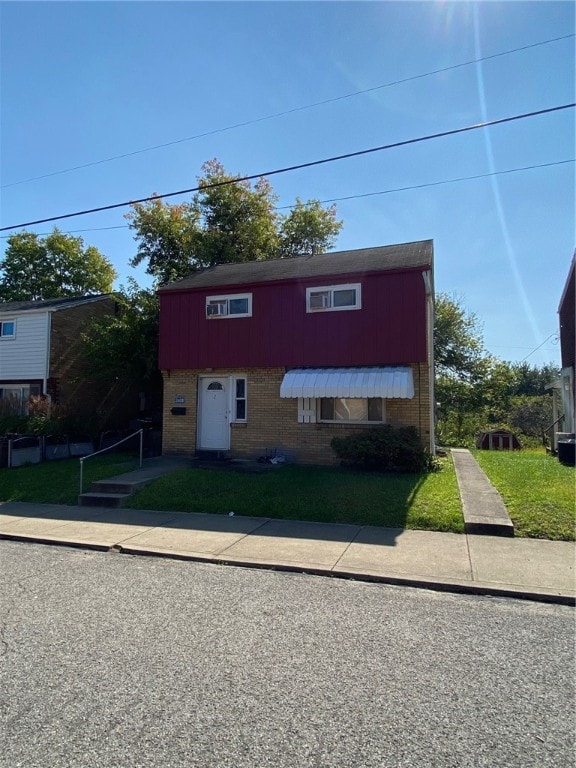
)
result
[(461, 367), (531, 415), (458, 342), (125, 345), (477, 391), (52, 267), (504, 383), (533, 380), (239, 222), (308, 228), (228, 220), (166, 236)]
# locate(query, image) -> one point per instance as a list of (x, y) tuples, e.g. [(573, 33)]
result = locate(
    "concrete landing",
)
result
[(482, 506)]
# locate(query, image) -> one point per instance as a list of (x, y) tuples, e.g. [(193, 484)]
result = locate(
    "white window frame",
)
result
[(329, 290), (350, 421), (7, 335), (224, 300), (235, 399), (19, 393)]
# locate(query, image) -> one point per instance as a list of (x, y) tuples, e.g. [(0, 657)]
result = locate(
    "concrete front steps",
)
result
[(115, 491), (103, 494)]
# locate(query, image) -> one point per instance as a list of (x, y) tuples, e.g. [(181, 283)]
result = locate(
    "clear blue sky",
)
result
[(82, 82)]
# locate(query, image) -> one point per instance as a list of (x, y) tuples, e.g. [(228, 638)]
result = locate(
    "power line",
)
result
[(362, 195), (540, 345), (275, 115), (515, 346), (76, 231), (445, 181), (300, 166)]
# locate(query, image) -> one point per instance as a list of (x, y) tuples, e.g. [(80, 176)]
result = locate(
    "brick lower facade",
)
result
[(272, 422)]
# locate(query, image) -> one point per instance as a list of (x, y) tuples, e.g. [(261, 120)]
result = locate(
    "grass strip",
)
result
[(538, 491), (320, 494), (57, 482)]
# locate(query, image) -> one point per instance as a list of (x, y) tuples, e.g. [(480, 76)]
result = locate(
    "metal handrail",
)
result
[(550, 432), (109, 448)]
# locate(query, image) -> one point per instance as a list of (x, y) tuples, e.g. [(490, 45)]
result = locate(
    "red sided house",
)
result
[(564, 389), (283, 355)]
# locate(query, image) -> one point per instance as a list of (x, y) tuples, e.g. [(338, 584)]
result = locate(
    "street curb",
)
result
[(486, 589), (57, 542)]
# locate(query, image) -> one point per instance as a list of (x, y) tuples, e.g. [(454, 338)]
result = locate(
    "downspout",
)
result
[(429, 288), (47, 366)]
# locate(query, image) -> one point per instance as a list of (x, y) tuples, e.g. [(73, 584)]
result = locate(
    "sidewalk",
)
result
[(527, 568)]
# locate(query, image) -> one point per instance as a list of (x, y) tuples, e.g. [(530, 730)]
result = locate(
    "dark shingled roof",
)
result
[(22, 306), (388, 257)]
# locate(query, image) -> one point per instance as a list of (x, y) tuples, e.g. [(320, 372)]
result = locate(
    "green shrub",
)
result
[(12, 424), (384, 448)]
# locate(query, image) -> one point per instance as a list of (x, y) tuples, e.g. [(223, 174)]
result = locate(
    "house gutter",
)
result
[(48, 345), (429, 288)]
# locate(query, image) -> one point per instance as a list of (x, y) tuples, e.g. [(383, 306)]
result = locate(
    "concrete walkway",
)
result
[(527, 568), (482, 506)]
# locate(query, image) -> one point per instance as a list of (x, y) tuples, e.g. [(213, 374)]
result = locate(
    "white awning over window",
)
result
[(388, 382)]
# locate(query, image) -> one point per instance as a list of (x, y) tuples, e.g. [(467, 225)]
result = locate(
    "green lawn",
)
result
[(312, 493), (538, 491), (57, 482)]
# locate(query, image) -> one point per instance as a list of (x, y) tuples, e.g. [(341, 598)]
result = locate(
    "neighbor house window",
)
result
[(332, 298), (16, 398), (7, 329), (352, 409), (233, 305), (240, 400)]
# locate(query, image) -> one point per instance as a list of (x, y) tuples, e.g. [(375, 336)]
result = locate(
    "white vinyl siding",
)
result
[(25, 356)]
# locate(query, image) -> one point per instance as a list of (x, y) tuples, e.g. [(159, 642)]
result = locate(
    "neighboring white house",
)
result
[(24, 352), (41, 344)]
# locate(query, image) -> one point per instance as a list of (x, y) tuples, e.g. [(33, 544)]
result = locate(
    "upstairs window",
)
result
[(233, 305), (333, 298), (7, 329)]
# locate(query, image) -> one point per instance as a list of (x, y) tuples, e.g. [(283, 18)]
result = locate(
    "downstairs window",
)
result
[(351, 409)]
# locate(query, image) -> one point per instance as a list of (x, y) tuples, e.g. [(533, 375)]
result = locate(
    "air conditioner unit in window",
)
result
[(319, 300), (215, 310)]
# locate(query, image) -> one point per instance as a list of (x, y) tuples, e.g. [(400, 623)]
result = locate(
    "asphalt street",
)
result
[(128, 662)]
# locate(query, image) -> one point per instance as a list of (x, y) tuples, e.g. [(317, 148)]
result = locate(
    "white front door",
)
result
[(213, 415)]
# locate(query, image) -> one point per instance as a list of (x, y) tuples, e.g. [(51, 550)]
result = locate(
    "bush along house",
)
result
[(283, 355)]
